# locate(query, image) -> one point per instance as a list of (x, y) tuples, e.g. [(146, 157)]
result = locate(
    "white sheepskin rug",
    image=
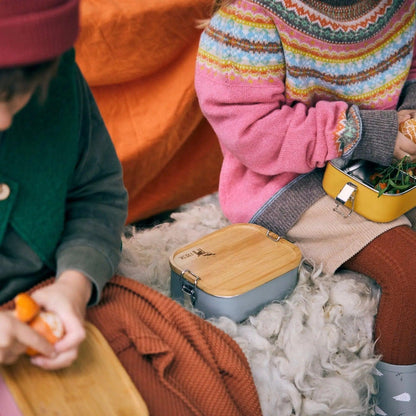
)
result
[(311, 354)]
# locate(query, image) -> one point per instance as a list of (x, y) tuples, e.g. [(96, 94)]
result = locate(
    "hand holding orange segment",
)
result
[(408, 128), (45, 323)]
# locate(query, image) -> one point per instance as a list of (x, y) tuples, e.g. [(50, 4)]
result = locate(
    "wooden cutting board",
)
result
[(96, 384)]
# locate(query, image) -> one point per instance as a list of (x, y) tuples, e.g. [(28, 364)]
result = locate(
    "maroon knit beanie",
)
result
[(34, 31)]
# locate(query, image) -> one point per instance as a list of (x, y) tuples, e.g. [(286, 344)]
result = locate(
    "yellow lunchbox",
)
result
[(351, 187)]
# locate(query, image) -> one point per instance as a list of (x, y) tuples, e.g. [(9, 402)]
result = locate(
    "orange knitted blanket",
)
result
[(181, 364), (138, 58)]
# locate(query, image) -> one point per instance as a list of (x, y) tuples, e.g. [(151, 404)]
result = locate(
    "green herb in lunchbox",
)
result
[(395, 178)]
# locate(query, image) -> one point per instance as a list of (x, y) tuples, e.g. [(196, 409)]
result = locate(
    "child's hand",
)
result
[(404, 146), (16, 337), (404, 115), (68, 298)]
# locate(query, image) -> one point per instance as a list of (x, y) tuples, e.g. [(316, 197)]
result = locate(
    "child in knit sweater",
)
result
[(62, 199), (289, 85)]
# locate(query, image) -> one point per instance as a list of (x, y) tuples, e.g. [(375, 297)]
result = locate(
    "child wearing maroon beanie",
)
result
[(62, 200)]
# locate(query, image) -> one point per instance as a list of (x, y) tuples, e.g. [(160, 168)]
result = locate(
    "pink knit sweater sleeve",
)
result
[(240, 82)]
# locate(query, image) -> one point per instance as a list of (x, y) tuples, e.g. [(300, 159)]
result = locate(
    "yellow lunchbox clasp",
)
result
[(347, 193), (276, 238)]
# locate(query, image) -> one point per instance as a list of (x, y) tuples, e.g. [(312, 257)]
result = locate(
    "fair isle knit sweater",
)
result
[(289, 85)]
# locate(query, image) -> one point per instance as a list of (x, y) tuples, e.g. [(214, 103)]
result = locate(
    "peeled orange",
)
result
[(45, 323), (408, 128)]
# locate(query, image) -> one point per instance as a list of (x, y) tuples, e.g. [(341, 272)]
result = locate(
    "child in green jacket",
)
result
[(62, 199)]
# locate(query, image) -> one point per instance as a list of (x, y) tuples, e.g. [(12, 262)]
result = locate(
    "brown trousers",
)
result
[(390, 260)]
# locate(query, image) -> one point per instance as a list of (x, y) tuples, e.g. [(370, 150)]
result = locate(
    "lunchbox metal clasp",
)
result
[(189, 289), (347, 193)]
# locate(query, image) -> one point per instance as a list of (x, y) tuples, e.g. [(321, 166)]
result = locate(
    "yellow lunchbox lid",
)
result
[(235, 259)]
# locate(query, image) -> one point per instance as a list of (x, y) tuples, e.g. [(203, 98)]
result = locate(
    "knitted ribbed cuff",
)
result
[(281, 212), (378, 136)]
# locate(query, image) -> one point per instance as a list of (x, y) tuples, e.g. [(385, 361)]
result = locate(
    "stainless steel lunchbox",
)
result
[(234, 271)]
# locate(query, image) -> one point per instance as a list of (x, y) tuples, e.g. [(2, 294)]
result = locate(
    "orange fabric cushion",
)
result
[(139, 58)]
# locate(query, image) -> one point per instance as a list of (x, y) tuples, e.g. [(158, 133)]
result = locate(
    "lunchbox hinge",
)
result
[(347, 193), (189, 289)]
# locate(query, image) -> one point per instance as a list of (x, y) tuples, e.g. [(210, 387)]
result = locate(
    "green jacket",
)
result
[(37, 157), (68, 204)]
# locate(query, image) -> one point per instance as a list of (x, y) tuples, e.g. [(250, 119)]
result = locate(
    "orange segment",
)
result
[(408, 128), (26, 308), (49, 325)]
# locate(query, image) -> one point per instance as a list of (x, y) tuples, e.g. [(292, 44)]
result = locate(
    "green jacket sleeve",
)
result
[(96, 204)]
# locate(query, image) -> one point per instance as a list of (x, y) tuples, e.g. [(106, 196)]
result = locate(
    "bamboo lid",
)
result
[(235, 259)]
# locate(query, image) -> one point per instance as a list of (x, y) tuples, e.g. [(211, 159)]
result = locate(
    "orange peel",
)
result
[(25, 307)]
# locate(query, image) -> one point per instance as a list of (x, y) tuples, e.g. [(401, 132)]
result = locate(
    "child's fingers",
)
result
[(10, 353), (17, 336), (406, 114), (28, 337), (404, 147), (75, 334), (62, 360), (66, 348), (403, 117)]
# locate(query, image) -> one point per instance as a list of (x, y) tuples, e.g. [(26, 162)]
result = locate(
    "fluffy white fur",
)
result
[(311, 354)]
